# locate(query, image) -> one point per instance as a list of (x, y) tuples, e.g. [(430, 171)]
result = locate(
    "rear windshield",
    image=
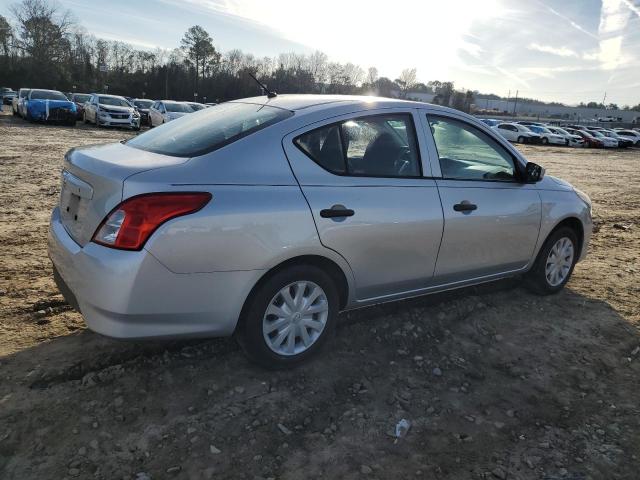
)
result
[(178, 107), (47, 95), (208, 129), (113, 101)]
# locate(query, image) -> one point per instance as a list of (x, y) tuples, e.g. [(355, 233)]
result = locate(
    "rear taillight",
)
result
[(131, 223)]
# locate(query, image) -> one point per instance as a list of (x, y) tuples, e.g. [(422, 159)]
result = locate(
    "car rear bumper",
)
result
[(128, 294)]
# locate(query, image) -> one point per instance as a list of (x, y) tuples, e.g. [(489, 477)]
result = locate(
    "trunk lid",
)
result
[(92, 183)]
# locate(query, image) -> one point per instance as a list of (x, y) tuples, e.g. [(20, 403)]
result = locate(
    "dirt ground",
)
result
[(496, 382)]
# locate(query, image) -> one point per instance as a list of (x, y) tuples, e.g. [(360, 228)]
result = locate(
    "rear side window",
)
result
[(209, 129), (375, 146)]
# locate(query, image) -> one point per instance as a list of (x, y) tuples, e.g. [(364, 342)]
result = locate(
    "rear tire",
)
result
[(544, 141), (520, 139), (314, 308), (553, 266)]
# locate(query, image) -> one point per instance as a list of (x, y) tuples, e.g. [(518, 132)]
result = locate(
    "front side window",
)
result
[(375, 146), (466, 153)]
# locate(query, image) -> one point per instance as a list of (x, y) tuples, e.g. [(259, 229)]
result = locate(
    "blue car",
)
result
[(50, 106)]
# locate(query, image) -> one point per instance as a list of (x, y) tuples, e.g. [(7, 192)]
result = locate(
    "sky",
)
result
[(562, 50)]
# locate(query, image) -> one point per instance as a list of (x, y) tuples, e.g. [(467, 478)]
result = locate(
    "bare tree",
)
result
[(372, 75), (406, 81)]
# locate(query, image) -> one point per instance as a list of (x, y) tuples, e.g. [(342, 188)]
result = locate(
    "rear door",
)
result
[(491, 219), (362, 175)]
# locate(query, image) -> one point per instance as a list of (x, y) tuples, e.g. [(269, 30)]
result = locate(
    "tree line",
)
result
[(43, 46)]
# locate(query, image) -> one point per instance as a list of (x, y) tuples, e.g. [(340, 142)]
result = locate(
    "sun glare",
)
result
[(426, 34)]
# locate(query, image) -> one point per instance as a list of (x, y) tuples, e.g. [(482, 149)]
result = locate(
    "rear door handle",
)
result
[(336, 211), (465, 206)]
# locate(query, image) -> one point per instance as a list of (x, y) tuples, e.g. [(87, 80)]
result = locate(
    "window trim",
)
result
[(517, 166), (344, 152)]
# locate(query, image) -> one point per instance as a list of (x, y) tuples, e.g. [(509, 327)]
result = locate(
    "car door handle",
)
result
[(336, 211), (465, 206)]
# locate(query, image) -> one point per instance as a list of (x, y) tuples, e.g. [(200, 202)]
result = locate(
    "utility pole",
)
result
[(508, 97), (604, 99), (515, 105)]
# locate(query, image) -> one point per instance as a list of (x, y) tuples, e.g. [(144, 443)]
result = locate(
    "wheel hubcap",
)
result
[(295, 318), (559, 262)]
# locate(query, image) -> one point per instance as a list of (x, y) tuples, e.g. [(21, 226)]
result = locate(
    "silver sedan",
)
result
[(265, 217)]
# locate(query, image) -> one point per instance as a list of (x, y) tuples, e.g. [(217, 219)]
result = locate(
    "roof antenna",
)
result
[(268, 93)]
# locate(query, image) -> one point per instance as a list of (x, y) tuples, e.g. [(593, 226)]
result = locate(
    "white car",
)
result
[(163, 111), (547, 137), (111, 111), (631, 134), (17, 104), (514, 132), (607, 142), (571, 140)]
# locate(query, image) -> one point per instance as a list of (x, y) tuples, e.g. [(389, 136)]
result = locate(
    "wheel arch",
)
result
[(324, 263), (575, 224)]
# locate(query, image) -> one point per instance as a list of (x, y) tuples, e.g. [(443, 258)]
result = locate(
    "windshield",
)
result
[(113, 101), (208, 129), (80, 97), (178, 107), (561, 131), (143, 103), (597, 134), (47, 95), (196, 106)]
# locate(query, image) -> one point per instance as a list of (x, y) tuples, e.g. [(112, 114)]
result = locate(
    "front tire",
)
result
[(545, 141), (555, 262), (289, 317), (520, 139)]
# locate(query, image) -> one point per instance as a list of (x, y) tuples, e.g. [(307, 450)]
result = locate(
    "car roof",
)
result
[(298, 102)]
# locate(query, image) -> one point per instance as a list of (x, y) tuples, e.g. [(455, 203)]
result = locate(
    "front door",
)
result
[(491, 218), (362, 177)]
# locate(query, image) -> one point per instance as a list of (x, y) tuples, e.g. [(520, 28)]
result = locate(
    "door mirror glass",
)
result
[(533, 172)]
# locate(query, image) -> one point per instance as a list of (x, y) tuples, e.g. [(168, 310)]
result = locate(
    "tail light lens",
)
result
[(131, 223)]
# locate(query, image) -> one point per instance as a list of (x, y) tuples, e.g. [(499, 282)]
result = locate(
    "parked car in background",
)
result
[(142, 105), (490, 121), (80, 99), (571, 140), (210, 104), (196, 106), (258, 218), (8, 96), (623, 142), (528, 123), (590, 140), (111, 111), (18, 101), (49, 106), (607, 142), (515, 132), (163, 111), (547, 136), (632, 134)]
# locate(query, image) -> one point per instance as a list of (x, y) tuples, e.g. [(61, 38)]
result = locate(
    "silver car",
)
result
[(264, 218)]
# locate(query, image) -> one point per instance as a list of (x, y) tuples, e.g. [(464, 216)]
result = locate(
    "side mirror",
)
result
[(533, 172)]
